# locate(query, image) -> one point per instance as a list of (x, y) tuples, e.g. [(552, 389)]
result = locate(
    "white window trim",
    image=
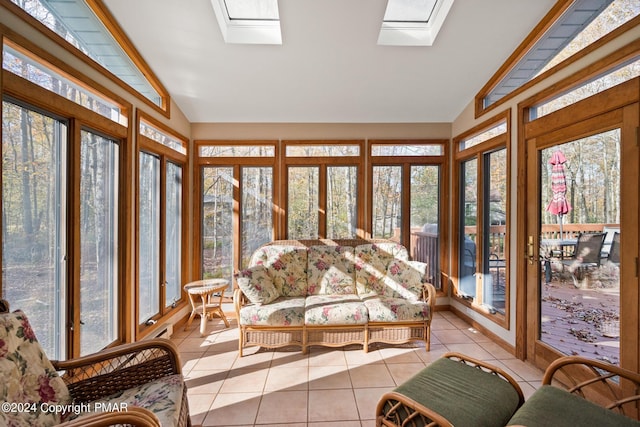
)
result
[(246, 31), (415, 33)]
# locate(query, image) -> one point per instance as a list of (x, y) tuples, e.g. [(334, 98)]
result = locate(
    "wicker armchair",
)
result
[(103, 389)]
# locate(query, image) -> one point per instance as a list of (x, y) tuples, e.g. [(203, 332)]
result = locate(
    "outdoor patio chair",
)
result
[(614, 251), (585, 256)]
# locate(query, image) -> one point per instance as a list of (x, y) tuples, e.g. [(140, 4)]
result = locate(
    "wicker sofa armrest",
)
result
[(608, 385), (134, 416), (102, 374), (429, 296)]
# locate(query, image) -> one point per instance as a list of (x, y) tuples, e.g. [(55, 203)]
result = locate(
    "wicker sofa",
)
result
[(136, 384), (332, 293)]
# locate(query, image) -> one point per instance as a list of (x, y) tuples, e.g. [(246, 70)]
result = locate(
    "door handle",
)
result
[(530, 250)]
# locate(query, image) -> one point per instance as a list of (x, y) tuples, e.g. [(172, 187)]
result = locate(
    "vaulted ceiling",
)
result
[(329, 67)]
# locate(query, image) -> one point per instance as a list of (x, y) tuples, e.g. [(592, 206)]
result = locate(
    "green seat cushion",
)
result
[(464, 395), (552, 406)]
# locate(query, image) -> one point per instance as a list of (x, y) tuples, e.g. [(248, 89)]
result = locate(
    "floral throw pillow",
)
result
[(256, 284), (28, 377)]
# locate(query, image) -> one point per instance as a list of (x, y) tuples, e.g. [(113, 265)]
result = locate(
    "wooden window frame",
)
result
[(236, 163), (165, 155), (502, 141), (118, 34), (549, 19), (322, 163), (406, 162)]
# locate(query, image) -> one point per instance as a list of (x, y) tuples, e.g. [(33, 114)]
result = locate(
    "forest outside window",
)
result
[(234, 175), (406, 196), (160, 212), (40, 243), (482, 235), (322, 189)]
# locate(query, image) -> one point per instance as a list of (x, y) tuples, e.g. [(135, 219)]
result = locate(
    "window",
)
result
[(26, 65), (413, 23), (322, 189), (237, 203), (80, 23), (482, 236), (248, 21), (40, 243), (162, 160), (405, 198), (34, 230), (611, 78), (577, 25), (99, 209)]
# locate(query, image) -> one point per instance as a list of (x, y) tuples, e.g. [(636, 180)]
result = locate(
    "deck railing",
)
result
[(425, 246)]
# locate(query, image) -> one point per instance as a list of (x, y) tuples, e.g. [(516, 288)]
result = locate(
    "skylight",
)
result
[(413, 22), (248, 21)]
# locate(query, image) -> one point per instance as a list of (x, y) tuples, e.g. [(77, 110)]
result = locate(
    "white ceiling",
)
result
[(329, 67)]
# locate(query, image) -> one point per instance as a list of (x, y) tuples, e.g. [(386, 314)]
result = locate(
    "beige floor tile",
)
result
[(437, 350), (366, 376), (329, 377), (401, 372), (472, 350), (283, 407), (332, 405), (231, 409), (526, 371), (401, 354), (454, 336), (205, 382), (439, 323), (199, 407), (476, 335), (367, 400), (245, 381), (215, 361), (496, 350), (259, 360), (287, 378), (335, 424), (359, 357), (293, 358), (326, 357)]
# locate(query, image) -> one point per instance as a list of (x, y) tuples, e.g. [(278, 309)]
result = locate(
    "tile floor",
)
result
[(327, 387)]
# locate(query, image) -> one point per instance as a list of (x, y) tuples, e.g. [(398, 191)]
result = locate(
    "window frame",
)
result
[(406, 162), (323, 163), (31, 96), (236, 163), (118, 34), (165, 155), (549, 19), (479, 151)]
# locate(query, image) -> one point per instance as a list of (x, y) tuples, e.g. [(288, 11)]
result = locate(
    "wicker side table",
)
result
[(209, 292)]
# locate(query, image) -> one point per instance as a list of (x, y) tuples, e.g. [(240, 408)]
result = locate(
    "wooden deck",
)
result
[(583, 321)]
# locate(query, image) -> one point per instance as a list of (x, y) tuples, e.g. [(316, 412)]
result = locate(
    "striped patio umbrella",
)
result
[(559, 205)]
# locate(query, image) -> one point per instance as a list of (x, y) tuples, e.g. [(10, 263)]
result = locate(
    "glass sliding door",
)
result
[(99, 172), (34, 221), (148, 237)]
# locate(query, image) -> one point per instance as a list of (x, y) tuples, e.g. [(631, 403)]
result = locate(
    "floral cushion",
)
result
[(331, 270), (335, 310), (405, 279), (285, 311), (287, 267), (389, 309), (28, 377), (163, 397), (372, 261), (256, 285)]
